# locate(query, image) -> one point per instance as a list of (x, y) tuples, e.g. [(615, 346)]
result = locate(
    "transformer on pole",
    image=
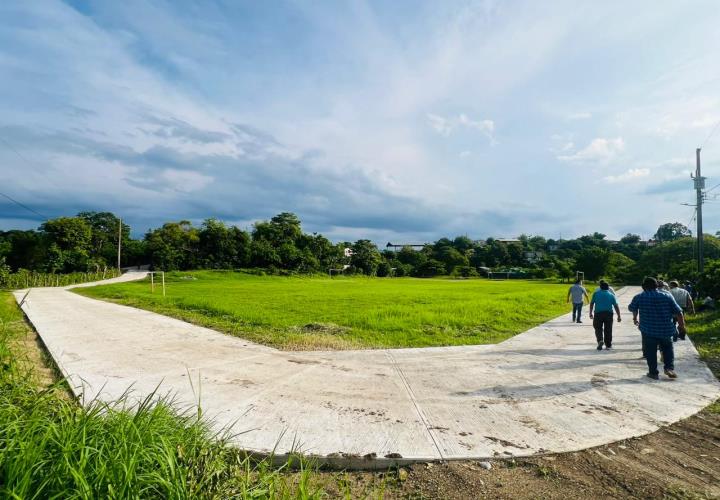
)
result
[(699, 182)]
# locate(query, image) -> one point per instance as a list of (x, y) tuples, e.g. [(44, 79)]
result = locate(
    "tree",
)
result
[(672, 231), (516, 254), (70, 243), (408, 256), (497, 254), (104, 236), (450, 257), (593, 262), (630, 239), (620, 267), (430, 268), (365, 257), (462, 244), (219, 245), (174, 246)]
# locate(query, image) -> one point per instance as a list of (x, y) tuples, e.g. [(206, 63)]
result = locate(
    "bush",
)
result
[(464, 272), (709, 282), (383, 270), (430, 268)]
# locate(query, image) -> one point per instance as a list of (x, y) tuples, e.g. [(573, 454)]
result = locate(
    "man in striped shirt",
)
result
[(657, 310)]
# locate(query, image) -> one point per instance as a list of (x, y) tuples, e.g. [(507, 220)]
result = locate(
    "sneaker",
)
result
[(608, 347), (599, 347), (653, 376), (670, 373), (579, 321)]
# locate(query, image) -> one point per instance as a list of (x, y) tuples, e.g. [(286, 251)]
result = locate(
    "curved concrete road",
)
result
[(546, 390)]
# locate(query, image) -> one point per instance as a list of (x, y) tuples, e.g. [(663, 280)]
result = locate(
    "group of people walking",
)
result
[(658, 311)]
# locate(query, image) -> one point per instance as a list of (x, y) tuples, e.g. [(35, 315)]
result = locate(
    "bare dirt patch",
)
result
[(678, 461)]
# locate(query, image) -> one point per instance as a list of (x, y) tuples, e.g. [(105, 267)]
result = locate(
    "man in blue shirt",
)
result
[(657, 310), (603, 302)]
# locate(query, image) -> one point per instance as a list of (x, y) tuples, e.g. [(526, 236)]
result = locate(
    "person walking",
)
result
[(610, 289), (684, 300), (601, 312), (656, 310), (579, 295)]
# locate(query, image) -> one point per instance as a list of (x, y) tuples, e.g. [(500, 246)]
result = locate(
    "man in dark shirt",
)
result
[(657, 310)]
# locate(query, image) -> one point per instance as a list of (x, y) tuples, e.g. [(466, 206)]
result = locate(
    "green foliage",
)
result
[(4, 273), (620, 268), (25, 279), (398, 312), (703, 329), (384, 269), (672, 231), (660, 259), (593, 261), (88, 243), (365, 257), (709, 282), (174, 246), (70, 243), (430, 268)]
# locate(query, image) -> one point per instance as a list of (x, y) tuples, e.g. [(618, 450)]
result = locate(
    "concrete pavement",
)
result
[(544, 391)]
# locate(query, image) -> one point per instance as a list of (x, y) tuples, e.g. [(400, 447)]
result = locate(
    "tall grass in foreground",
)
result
[(51, 447)]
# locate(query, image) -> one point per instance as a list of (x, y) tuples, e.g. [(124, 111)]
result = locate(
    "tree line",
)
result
[(88, 243)]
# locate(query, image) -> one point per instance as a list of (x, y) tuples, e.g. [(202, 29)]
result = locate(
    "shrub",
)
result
[(464, 272), (430, 268)]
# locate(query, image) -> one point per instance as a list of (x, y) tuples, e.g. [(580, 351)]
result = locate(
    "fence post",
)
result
[(163, 282), (152, 282)]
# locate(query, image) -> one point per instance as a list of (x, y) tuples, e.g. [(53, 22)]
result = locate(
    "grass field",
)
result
[(343, 313)]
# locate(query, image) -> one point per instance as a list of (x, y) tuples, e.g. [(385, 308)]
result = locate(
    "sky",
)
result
[(400, 121)]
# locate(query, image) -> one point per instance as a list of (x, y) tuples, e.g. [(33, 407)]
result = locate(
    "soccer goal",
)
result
[(152, 281)]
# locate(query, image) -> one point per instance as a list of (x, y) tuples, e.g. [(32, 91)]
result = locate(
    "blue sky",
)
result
[(400, 121)]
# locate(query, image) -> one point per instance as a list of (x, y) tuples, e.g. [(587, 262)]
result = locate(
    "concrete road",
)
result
[(544, 391)]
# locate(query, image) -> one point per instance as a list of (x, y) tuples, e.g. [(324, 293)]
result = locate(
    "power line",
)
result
[(712, 132), (24, 206), (11, 148), (715, 186)]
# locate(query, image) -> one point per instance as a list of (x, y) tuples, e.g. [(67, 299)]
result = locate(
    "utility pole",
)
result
[(699, 187), (119, 240)]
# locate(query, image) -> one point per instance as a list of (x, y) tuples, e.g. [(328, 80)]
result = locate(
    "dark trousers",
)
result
[(603, 323), (577, 311), (677, 333), (650, 346)]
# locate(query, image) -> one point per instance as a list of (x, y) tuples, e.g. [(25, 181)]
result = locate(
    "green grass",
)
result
[(704, 330), (51, 447), (341, 313)]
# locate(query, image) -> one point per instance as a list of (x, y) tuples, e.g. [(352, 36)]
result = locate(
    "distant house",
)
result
[(508, 240), (534, 257)]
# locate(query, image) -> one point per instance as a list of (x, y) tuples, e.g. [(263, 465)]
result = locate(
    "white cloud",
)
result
[(464, 154), (599, 150), (445, 126), (582, 115), (441, 125), (629, 175)]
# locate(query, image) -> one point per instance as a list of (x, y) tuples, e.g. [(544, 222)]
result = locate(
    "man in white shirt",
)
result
[(578, 293), (684, 300)]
